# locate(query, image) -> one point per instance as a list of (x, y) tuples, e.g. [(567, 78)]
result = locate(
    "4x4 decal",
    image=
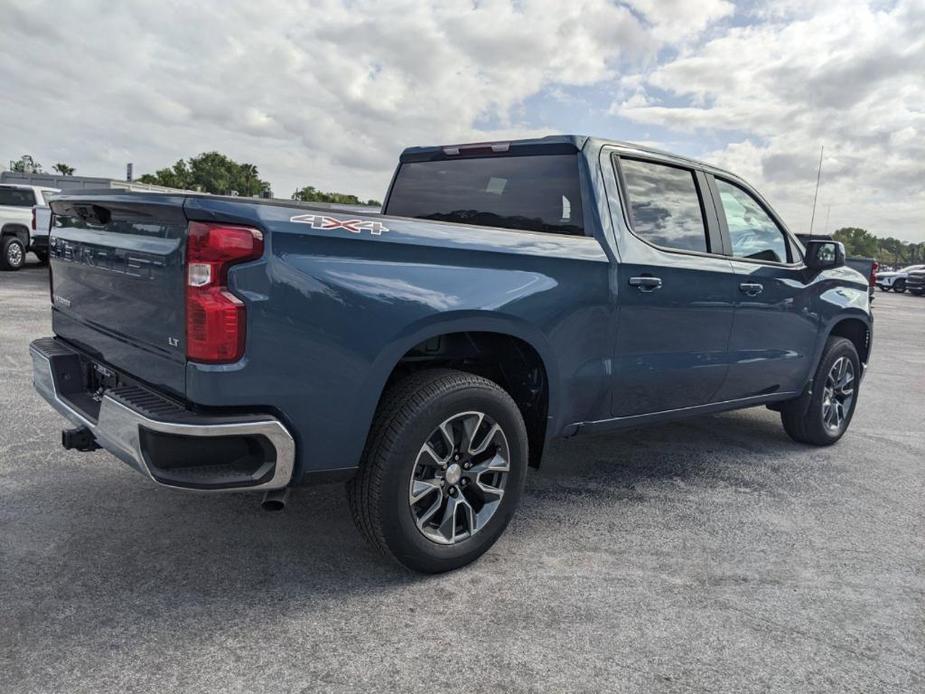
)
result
[(354, 226)]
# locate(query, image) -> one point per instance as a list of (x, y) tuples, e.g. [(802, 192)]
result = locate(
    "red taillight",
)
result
[(215, 318), (873, 273)]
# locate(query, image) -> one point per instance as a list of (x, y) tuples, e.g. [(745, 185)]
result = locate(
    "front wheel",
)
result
[(443, 470), (12, 253), (899, 286), (822, 417)]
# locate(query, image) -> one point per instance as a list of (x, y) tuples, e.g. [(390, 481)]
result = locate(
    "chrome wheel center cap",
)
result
[(453, 474)]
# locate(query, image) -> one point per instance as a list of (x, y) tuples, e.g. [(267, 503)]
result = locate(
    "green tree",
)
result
[(892, 251), (211, 172), (858, 241), (63, 169), (312, 194), (26, 164)]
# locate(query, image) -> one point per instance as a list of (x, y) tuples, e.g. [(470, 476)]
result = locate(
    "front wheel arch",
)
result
[(858, 332)]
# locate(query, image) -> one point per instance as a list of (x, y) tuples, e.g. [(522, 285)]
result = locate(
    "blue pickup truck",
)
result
[(508, 294)]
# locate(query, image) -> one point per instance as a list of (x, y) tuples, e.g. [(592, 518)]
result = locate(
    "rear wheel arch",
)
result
[(19, 231), (511, 361)]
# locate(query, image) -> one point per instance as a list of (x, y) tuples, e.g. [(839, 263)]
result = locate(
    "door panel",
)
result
[(774, 332), (671, 349), (775, 328), (675, 299)]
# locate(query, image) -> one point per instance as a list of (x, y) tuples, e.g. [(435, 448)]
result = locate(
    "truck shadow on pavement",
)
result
[(93, 551), (114, 533)]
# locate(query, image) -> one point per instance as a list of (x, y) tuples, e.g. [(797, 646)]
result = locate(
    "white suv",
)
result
[(19, 231), (896, 280)]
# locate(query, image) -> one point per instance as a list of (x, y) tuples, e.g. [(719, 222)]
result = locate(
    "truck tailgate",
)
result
[(117, 273)]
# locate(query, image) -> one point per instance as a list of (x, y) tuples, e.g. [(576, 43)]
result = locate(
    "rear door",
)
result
[(775, 330), (675, 289), (118, 285)]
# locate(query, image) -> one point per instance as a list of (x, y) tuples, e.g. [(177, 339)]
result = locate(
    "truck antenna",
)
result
[(816, 195)]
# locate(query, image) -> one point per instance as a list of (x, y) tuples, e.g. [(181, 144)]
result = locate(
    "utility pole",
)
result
[(818, 177)]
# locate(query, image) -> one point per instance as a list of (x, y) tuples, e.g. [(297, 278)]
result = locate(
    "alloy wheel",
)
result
[(459, 478), (14, 255), (838, 394)]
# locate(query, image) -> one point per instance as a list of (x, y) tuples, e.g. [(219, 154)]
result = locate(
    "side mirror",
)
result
[(823, 255)]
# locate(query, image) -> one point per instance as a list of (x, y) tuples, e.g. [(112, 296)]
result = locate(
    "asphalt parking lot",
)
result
[(708, 555)]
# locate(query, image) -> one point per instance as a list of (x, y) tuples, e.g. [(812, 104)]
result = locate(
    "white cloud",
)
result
[(849, 76), (324, 92), (677, 20), (328, 92)]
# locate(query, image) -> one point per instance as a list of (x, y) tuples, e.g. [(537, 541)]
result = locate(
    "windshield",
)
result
[(535, 193)]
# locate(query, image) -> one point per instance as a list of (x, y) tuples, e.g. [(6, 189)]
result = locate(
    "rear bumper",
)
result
[(171, 445), (39, 244)]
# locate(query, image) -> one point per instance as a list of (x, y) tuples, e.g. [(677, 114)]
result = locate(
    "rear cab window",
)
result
[(664, 205), (535, 192), (17, 197)]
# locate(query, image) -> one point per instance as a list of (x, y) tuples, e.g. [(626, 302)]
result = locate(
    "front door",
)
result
[(675, 290), (775, 329)]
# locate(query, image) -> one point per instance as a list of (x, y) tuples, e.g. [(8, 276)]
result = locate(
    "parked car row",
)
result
[(897, 280), (24, 222), (915, 281)]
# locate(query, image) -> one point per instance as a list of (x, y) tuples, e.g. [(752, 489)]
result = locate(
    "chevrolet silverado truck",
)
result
[(508, 294), (20, 229)]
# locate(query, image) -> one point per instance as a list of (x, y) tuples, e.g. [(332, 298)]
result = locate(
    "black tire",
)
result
[(899, 286), (803, 418), (917, 291), (12, 253), (410, 411)]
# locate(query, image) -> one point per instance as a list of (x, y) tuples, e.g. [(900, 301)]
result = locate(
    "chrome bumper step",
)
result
[(174, 446)]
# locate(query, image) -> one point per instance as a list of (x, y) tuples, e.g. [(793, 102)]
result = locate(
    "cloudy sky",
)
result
[(328, 92)]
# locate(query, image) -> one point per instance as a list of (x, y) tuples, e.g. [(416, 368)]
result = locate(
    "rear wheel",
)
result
[(443, 470), (12, 253), (899, 286), (822, 416)]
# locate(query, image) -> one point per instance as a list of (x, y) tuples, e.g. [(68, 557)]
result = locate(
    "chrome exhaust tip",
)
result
[(275, 499)]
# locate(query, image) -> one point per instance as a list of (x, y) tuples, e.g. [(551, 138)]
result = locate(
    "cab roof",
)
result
[(551, 144)]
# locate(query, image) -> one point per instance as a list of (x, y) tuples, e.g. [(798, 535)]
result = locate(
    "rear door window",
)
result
[(17, 197), (533, 193), (665, 205)]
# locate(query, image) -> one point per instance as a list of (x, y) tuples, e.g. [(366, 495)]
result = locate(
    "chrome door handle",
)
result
[(751, 288), (646, 283)]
